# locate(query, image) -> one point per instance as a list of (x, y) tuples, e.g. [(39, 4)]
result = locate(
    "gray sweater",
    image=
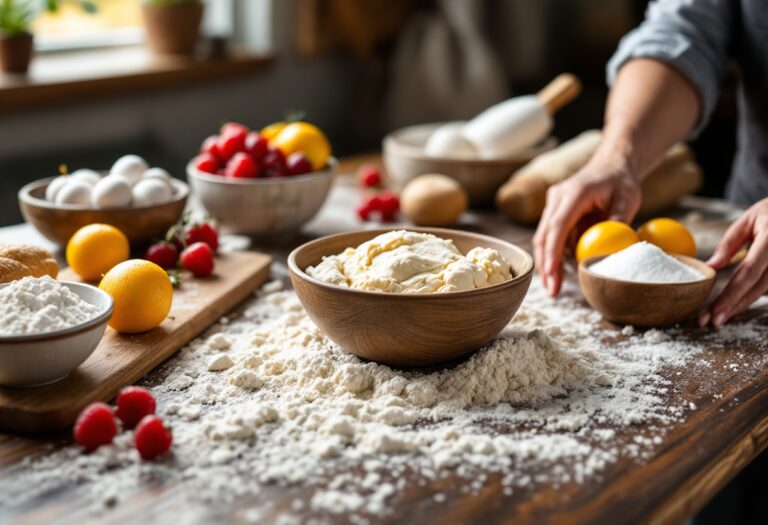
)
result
[(698, 37)]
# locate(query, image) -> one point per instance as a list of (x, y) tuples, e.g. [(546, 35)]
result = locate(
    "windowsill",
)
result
[(62, 78)]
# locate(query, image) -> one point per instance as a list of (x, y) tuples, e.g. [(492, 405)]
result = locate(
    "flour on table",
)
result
[(552, 400)]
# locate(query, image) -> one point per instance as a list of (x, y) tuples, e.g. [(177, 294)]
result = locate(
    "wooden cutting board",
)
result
[(121, 360)]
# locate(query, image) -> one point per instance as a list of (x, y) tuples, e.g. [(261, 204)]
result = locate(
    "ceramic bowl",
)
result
[(646, 304), (40, 359), (404, 159), (408, 330), (262, 206), (141, 224)]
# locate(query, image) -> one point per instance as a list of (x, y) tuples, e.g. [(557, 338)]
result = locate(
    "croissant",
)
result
[(22, 260)]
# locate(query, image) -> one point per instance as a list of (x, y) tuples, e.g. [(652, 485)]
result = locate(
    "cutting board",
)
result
[(121, 360)]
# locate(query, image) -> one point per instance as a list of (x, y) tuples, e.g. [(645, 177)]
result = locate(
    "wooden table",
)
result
[(697, 457)]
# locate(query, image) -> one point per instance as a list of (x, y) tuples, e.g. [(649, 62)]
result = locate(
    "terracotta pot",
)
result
[(15, 53), (173, 29)]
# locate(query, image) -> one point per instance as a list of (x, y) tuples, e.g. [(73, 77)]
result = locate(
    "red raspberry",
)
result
[(203, 232), (206, 162), (198, 259), (133, 403), (163, 254), (363, 212), (242, 166), (390, 203), (152, 437), (95, 426), (370, 176)]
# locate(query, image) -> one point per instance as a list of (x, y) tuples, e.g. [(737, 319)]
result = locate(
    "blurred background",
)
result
[(356, 68)]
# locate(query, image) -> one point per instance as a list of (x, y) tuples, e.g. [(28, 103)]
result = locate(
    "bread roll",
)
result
[(24, 260)]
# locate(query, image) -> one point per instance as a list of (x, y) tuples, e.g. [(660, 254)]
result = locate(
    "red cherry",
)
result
[(152, 437), (234, 128), (256, 144), (370, 176), (95, 426), (163, 254), (206, 162), (231, 140), (242, 166), (210, 146), (203, 232), (198, 259), (297, 164), (274, 158), (133, 403), (363, 213)]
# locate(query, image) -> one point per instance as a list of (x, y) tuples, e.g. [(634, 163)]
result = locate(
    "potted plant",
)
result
[(173, 25), (16, 41)]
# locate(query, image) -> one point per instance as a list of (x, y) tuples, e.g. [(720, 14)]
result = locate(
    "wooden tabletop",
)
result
[(697, 457)]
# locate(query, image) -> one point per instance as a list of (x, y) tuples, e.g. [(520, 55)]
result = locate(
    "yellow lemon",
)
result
[(271, 131), (669, 235), (307, 139), (605, 238), (142, 293), (94, 249)]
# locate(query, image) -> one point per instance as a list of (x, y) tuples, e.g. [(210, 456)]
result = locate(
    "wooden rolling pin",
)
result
[(523, 196)]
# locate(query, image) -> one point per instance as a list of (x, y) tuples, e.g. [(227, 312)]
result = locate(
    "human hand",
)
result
[(604, 187), (750, 280)]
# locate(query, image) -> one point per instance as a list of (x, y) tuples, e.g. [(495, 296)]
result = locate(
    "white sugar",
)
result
[(646, 263)]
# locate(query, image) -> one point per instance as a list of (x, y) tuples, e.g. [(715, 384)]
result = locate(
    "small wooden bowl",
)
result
[(404, 158), (407, 330), (646, 304), (58, 222)]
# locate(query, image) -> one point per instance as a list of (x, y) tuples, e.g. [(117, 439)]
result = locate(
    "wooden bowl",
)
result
[(646, 304), (404, 159), (409, 330), (57, 222), (262, 207)]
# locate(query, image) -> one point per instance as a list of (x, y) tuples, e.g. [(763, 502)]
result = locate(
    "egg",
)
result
[(150, 191), (131, 167), (74, 191), (158, 174), (113, 191), (433, 200), (53, 188), (89, 176), (448, 141)]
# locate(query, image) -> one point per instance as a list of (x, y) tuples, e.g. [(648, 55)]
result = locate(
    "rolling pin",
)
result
[(509, 127), (523, 196)]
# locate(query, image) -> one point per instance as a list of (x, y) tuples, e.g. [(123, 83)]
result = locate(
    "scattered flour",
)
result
[(34, 305), (645, 262), (551, 400)]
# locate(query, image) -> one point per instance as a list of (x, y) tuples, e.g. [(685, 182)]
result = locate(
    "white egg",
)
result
[(158, 174), (449, 141), (150, 191), (113, 191), (85, 175), (74, 191), (54, 187), (130, 166)]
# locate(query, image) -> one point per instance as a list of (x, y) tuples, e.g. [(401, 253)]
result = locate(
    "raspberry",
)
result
[(133, 403), (95, 426), (151, 437)]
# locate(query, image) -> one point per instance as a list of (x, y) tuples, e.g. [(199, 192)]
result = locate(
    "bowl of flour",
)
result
[(644, 286), (48, 328)]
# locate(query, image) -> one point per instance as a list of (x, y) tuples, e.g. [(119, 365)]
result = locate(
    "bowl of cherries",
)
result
[(265, 182)]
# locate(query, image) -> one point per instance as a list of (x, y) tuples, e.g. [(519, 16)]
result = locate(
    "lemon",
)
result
[(605, 238), (94, 249), (669, 235), (305, 138), (142, 293)]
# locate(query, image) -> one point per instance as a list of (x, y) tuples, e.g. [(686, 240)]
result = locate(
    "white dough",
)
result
[(54, 187), (130, 166), (150, 191), (448, 141), (86, 175), (113, 191), (158, 174), (74, 191)]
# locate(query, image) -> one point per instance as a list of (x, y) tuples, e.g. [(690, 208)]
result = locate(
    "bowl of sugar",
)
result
[(644, 286)]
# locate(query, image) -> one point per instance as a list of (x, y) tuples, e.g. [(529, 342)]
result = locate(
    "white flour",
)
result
[(645, 262), (35, 305), (266, 400)]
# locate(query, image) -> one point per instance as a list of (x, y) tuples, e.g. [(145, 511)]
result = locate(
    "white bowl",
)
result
[(262, 206), (40, 359)]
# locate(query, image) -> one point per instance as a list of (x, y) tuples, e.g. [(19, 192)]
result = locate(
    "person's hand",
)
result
[(604, 187), (750, 279)]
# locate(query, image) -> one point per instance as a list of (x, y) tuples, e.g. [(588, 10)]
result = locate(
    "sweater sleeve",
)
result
[(692, 36)]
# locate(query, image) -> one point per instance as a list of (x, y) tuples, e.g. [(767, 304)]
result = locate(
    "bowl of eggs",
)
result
[(139, 200)]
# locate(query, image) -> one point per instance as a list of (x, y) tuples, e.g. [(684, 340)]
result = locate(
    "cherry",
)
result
[(256, 144), (198, 259), (203, 232), (206, 162), (163, 254), (297, 163), (242, 166)]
